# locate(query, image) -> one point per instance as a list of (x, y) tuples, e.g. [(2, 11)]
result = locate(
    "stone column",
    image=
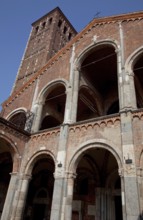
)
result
[(140, 188), (57, 198), (72, 91), (125, 80), (122, 194), (72, 99), (38, 116), (129, 91), (129, 168), (20, 197), (9, 197), (131, 193), (69, 196), (120, 78), (60, 181), (75, 95)]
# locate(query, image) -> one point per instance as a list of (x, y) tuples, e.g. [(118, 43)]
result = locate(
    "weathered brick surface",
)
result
[(120, 134)]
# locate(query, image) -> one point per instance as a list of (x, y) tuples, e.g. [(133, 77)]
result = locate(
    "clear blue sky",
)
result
[(16, 17)]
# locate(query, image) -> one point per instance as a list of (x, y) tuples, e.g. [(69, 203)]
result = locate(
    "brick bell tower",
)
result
[(48, 35)]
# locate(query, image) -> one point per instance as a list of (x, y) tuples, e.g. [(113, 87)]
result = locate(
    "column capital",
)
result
[(77, 68), (70, 175), (127, 171), (140, 172), (130, 73)]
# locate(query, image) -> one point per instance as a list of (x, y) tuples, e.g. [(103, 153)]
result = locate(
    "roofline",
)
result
[(121, 17), (60, 11)]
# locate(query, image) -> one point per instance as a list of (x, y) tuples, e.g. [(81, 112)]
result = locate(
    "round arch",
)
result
[(49, 87), (133, 68), (92, 46), (13, 150), (16, 111), (98, 66), (90, 145), (18, 117), (102, 188), (50, 105), (132, 59), (41, 167), (34, 158)]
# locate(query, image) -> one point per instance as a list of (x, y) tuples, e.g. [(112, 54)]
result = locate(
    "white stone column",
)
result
[(132, 90), (72, 91), (57, 198), (69, 197), (122, 194), (72, 99), (140, 188), (20, 198), (38, 116), (125, 80), (60, 180), (9, 197), (75, 95), (129, 167), (129, 91)]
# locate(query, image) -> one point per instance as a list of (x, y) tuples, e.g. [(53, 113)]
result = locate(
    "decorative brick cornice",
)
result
[(53, 132), (95, 22), (96, 123), (138, 114)]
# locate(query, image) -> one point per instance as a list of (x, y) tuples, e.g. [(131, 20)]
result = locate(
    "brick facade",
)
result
[(79, 97)]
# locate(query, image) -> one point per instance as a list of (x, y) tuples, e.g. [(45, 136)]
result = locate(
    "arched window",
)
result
[(43, 24), (6, 167), (19, 119), (50, 21), (54, 107), (59, 23), (138, 80), (40, 192), (99, 74)]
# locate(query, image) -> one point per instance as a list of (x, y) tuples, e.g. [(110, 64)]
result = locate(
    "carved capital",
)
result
[(71, 175), (129, 170)]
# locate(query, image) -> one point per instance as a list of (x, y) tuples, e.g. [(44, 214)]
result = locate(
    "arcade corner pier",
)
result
[(71, 131)]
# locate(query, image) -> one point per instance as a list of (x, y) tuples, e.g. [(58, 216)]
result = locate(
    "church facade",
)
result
[(71, 132)]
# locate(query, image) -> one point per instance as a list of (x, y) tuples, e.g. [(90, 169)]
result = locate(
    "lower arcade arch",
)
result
[(97, 186), (40, 192), (6, 167)]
